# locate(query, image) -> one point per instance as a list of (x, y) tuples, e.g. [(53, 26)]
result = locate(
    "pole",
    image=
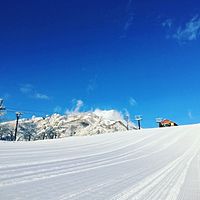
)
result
[(2, 108), (139, 125), (18, 114), (159, 121), (1, 103), (138, 118), (127, 120)]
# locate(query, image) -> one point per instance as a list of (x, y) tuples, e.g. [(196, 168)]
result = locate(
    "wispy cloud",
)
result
[(92, 85), (126, 113), (129, 22), (26, 88), (57, 109), (6, 96), (190, 31), (129, 4), (190, 114), (41, 96), (129, 19), (132, 101), (127, 25), (183, 33), (29, 90), (167, 23), (78, 105)]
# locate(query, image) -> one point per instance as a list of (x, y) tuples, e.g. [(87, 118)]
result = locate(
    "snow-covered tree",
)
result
[(6, 132)]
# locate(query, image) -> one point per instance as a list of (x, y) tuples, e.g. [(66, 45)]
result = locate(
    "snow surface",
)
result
[(152, 164)]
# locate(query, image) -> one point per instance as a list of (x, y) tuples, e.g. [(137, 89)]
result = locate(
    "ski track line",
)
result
[(162, 189), (129, 153), (80, 157), (63, 170), (192, 184), (93, 189), (122, 155), (96, 162), (176, 181), (46, 150), (143, 187)]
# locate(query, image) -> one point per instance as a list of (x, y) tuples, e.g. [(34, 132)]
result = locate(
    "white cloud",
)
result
[(190, 114), (127, 25), (132, 101), (29, 90), (109, 114), (41, 96), (167, 23), (78, 105), (129, 4), (67, 112), (92, 85), (26, 88), (190, 31), (90, 88), (129, 19), (126, 113), (57, 109)]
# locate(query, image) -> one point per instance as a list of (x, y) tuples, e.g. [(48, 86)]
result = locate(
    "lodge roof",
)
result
[(167, 121)]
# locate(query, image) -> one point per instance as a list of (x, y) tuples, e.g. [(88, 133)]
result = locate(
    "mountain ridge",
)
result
[(59, 126)]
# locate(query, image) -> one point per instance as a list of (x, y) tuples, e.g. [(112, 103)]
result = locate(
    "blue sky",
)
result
[(135, 56)]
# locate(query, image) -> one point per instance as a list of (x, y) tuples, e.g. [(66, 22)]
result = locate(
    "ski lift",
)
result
[(138, 118), (2, 108)]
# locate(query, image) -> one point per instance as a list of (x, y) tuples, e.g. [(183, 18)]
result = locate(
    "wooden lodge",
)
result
[(167, 123)]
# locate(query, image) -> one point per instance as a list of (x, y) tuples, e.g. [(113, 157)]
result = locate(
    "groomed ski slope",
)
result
[(152, 164)]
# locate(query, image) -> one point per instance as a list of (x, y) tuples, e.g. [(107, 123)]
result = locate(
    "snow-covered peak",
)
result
[(76, 123)]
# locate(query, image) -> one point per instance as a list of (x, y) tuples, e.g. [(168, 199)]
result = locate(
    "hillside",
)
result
[(152, 164), (59, 126)]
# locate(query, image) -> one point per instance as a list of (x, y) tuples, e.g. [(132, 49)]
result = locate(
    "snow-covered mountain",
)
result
[(58, 126)]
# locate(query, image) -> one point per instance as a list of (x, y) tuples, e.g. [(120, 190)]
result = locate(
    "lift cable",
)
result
[(25, 111)]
